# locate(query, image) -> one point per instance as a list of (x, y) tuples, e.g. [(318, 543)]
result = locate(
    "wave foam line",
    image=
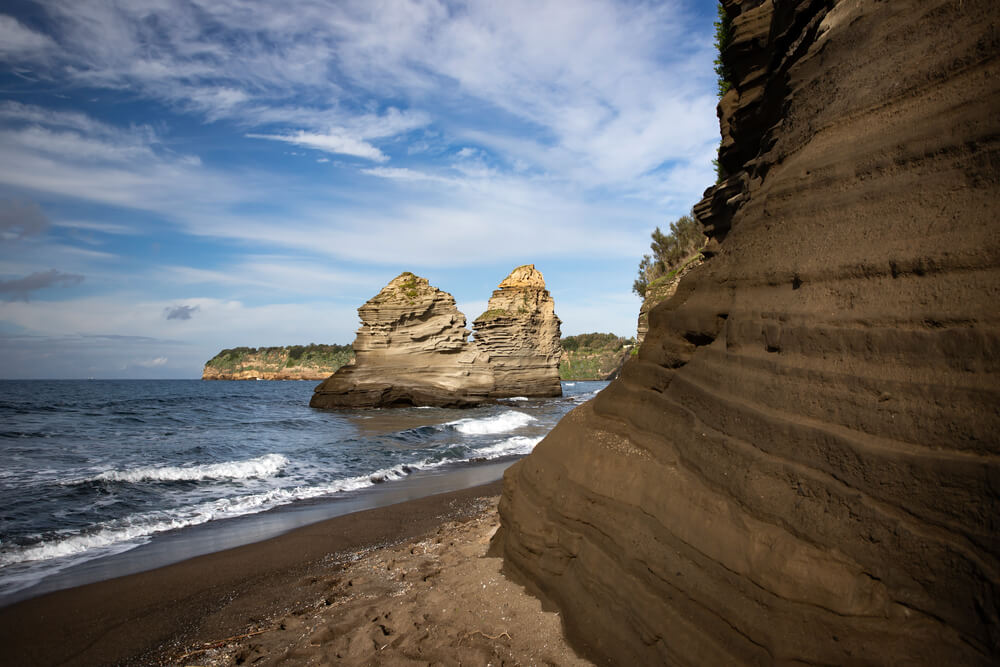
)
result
[(118, 535), (261, 467), (501, 423), (514, 446)]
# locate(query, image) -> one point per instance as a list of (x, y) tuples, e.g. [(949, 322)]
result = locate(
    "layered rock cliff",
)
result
[(803, 463), (413, 348), (660, 290), (294, 362), (519, 333)]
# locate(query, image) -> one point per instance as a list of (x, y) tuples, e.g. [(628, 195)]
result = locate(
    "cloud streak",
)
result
[(20, 288)]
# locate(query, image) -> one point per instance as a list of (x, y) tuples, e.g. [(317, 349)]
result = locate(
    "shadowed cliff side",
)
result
[(802, 464)]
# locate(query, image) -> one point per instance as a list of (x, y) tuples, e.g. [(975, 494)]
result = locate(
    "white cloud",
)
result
[(404, 174), (17, 40), (606, 114), (91, 226), (151, 363), (330, 142)]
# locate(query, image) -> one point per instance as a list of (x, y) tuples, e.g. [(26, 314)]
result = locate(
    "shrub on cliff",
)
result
[(592, 356), (670, 251)]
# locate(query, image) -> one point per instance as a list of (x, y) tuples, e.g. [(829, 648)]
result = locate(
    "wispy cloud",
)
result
[(330, 142), (628, 102), (19, 41)]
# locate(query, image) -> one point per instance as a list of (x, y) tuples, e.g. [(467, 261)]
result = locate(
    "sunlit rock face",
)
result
[(519, 332), (413, 348), (803, 463)]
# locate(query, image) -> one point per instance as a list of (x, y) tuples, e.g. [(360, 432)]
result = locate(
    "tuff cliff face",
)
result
[(803, 464), (413, 348), (519, 332), (659, 291)]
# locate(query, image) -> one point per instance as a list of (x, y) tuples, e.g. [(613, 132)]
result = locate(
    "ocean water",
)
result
[(96, 468)]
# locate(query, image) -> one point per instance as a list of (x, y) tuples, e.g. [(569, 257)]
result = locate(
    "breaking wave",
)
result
[(501, 423), (260, 467)]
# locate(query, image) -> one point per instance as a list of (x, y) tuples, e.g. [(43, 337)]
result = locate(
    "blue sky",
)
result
[(180, 176)]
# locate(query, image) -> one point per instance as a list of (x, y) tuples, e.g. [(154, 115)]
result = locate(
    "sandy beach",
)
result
[(409, 583)]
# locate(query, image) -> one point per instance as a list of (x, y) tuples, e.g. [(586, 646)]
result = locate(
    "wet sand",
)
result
[(403, 584)]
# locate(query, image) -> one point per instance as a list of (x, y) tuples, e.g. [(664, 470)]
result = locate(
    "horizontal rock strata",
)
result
[(413, 348), (803, 464), (519, 333)]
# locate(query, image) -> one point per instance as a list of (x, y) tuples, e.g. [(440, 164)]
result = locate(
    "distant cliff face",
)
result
[(413, 348), (295, 362), (803, 464), (594, 356)]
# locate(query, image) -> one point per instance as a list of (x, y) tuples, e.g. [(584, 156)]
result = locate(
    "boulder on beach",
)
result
[(413, 348)]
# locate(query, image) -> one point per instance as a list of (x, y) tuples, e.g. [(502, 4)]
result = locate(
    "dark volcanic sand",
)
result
[(161, 615)]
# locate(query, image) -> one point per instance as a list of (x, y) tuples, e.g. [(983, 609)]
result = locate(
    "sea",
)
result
[(101, 478)]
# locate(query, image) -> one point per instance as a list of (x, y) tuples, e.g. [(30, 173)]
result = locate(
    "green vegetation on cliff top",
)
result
[(592, 356), (273, 359), (671, 252)]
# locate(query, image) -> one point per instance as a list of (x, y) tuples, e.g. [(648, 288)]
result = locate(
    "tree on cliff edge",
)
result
[(669, 251)]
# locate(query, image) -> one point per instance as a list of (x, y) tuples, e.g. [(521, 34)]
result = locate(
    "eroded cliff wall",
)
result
[(803, 464)]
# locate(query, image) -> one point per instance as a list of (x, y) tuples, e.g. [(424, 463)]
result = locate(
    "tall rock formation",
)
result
[(803, 464), (413, 348), (520, 334)]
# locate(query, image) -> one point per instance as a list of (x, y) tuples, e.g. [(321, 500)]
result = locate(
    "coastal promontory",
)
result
[(292, 362), (801, 464), (413, 347)]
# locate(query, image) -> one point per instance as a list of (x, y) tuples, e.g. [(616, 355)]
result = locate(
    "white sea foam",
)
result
[(518, 398), (123, 534), (261, 467), (501, 423), (513, 446)]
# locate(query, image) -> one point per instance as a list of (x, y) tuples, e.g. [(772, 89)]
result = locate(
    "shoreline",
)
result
[(175, 546), (157, 615)]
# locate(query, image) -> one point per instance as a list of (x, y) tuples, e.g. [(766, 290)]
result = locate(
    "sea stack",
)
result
[(413, 348), (519, 332), (802, 464)]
